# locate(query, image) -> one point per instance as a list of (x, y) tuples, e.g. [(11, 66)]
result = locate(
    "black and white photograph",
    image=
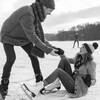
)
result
[(49, 49)]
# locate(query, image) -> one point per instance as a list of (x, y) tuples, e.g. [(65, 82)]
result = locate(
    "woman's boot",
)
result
[(55, 85)]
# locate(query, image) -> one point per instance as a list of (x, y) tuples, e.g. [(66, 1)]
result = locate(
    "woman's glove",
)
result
[(53, 52)]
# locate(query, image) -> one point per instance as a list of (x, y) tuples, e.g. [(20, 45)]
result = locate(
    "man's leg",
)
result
[(34, 61), (78, 43), (10, 56), (74, 43)]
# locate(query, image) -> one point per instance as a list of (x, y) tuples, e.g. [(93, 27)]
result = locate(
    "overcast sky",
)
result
[(67, 13)]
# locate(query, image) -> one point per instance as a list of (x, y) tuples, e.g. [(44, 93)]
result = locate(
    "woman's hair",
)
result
[(37, 0), (88, 57), (82, 59)]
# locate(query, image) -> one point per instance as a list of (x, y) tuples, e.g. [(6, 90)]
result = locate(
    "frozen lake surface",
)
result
[(22, 72)]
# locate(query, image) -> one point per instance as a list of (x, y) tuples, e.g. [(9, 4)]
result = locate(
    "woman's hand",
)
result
[(60, 51), (93, 82)]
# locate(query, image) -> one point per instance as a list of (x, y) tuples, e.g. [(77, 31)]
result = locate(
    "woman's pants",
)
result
[(64, 73), (10, 56)]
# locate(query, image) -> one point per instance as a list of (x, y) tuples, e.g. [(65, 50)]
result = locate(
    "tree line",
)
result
[(87, 32)]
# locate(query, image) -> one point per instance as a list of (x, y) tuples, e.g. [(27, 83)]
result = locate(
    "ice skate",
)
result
[(55, 85), (3, 93)]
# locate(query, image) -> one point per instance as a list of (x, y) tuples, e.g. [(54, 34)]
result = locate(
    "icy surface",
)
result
[(22, 72)]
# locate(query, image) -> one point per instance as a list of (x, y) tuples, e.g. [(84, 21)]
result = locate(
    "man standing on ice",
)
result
[(23, 28)]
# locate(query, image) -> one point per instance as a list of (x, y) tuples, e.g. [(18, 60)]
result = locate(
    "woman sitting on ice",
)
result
[(77, 82)]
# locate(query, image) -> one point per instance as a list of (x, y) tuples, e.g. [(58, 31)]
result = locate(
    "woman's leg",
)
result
[(51, 78), (34, 61), (67, 81), (65, 78), (65, 65)]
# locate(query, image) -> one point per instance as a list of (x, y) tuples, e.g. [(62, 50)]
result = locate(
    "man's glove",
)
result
[(60, 51)]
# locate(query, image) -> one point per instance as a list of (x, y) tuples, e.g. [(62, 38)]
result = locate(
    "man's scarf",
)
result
[(39, 17)]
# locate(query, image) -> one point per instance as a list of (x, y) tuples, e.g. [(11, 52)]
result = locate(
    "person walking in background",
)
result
[(78, 81), (76, 39), (23, 28)]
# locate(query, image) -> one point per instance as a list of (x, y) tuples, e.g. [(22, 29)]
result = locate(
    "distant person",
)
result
[(78, 81), (76, 39), (23, 28)]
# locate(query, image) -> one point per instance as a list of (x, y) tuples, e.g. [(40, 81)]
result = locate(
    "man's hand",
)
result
[(53, 52)]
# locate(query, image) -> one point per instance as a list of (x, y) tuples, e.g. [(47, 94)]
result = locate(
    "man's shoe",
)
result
[(3, 93)]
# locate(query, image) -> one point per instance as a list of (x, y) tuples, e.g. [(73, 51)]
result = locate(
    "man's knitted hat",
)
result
[(91, 47), (47, 3)]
